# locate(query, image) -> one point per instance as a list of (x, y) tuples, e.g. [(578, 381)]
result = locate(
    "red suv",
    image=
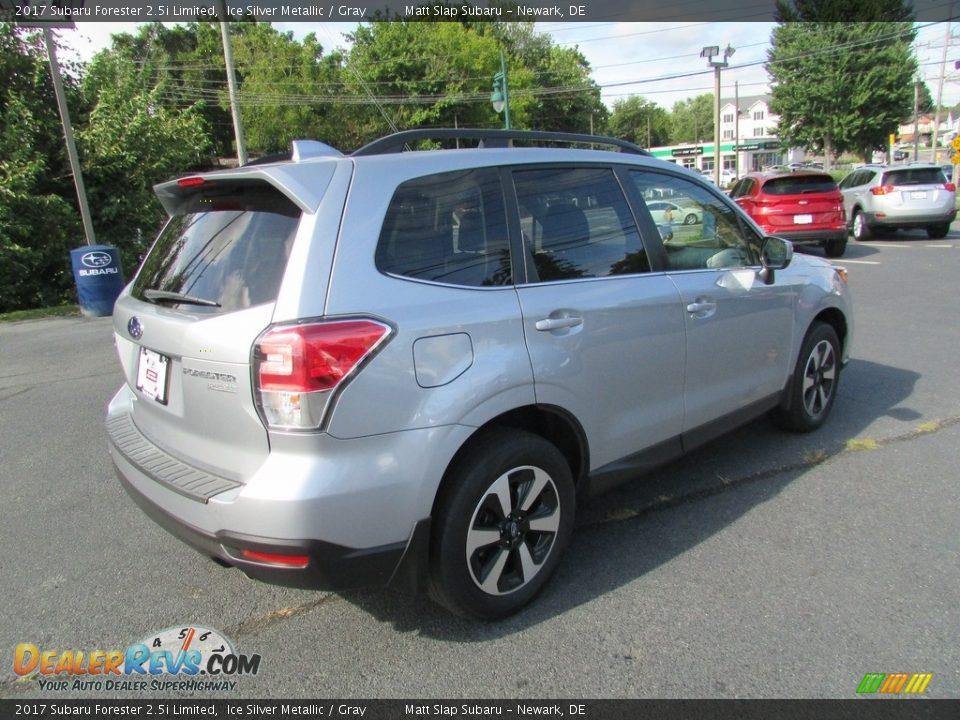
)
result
[(804, 207)]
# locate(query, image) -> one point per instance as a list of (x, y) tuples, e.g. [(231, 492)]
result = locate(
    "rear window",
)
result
[(799, 185), (914, 176), (225, 249)]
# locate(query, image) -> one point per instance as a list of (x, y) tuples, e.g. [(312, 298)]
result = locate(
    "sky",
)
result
[(630, 58)]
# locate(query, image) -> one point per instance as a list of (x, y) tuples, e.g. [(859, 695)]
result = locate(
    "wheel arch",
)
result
[(835, 318), (550, 422)]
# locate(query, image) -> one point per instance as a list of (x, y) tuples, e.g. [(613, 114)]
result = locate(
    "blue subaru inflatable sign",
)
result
[(99, 278)]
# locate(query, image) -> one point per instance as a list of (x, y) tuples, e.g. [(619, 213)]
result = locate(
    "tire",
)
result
[(861, 230), (835, 248), (502, 519), (939, 231), (690, 219), (813, 386)]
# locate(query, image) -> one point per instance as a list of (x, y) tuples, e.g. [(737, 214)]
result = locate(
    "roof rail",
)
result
[(489, 138)]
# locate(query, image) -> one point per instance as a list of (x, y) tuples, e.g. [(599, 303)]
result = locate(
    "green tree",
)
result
[(133, 140), (691, 120), (39, 222), (640, 121), (842, 73), (287, 89)]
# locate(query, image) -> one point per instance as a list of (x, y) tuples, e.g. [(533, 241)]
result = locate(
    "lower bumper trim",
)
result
[(330, 567)]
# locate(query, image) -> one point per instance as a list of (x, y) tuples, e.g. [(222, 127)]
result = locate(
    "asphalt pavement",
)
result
[(763, 565)]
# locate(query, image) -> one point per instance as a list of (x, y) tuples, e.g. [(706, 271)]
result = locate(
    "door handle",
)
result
[(548, 324), (700, 306)]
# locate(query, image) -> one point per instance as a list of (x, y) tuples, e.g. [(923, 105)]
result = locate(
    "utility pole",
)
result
[(916, 119), (943, 72), (232, 83), (736, 129), (68, 136)]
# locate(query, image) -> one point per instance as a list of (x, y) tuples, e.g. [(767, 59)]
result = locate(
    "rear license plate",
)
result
[(802, 219), (919, 194), (153, 372)]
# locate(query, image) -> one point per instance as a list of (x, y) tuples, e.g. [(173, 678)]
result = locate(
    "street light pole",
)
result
[(709, 52)]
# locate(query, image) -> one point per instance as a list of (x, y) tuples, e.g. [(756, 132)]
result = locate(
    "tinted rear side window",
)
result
[(577, 224), (449, 228), (914, 176), (228, 244), (799, 185)]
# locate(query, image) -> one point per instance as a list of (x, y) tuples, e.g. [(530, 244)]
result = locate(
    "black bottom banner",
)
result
[(867, 709)]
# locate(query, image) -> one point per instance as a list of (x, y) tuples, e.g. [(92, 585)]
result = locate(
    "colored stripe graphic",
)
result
[(871, 683), (894, 683), (918, 683)]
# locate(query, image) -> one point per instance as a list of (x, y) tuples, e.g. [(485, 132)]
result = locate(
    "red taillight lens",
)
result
[(950, 186), (882, 190), (295, 366), (308, 358), (294, 561)]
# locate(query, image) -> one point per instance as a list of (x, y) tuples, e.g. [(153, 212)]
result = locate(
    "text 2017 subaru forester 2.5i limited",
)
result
[(404, 368)]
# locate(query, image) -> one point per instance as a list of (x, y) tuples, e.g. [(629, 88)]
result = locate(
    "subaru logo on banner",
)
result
[(99, 278), (96, 259)]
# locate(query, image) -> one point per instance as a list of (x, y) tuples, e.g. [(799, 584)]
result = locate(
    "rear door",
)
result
[(604, 333), (185, 326)]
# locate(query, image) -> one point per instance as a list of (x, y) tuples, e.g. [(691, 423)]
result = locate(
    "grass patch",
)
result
[(36, 313)]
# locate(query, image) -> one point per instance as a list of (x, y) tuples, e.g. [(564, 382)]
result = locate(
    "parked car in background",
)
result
[(664, 211), (803, 206), (407, 368), (892, 197)]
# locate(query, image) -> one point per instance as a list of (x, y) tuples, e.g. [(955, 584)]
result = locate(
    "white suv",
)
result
[(892, 197), (405, 368)]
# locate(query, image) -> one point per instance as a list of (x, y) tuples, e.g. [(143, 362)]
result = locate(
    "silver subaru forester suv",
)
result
[(405, 367)]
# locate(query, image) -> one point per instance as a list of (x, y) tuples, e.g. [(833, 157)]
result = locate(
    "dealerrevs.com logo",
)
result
[(179, 658)]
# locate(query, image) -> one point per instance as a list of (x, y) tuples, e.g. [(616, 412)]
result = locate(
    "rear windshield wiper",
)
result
[(175, 297)]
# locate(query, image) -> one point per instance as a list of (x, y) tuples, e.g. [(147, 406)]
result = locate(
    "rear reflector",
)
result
[(296, 367), (293, 561)]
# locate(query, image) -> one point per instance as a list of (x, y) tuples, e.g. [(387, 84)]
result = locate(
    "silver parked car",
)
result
[(404, 368), (892, 197)]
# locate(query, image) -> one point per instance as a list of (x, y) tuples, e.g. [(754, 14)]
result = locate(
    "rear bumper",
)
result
[(915, 220), (330, 566), (358, 509)]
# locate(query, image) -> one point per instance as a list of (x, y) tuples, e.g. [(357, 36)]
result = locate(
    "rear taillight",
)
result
[(296, 367), (950, 186), (882, 190)]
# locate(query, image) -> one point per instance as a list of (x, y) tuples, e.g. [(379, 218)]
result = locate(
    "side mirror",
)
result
[(775, 254)]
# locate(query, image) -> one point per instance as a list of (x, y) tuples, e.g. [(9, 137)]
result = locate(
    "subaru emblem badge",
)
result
[(135, 328)]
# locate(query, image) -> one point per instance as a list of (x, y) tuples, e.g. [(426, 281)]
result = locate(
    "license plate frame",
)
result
[(153, 375), (805, 219)]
